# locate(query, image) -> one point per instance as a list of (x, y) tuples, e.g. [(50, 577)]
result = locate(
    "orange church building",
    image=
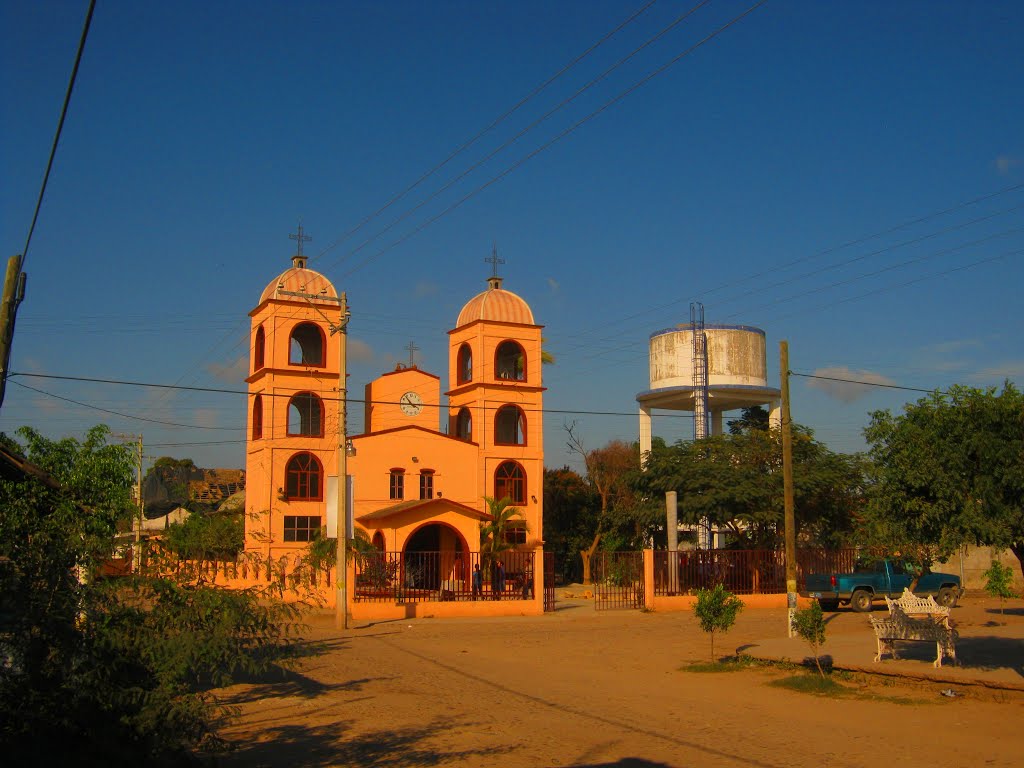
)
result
[(415, 487)]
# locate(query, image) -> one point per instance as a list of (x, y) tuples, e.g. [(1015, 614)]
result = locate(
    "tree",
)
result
[(999, 582), (810, 626), (111, 671), (716, 610), (752, 418), (571, 510), (611, 474), (948, 472), (735, 482), (207, 536), (493, 534)]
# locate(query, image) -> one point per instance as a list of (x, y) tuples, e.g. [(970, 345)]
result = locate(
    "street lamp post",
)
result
[(341, 601)]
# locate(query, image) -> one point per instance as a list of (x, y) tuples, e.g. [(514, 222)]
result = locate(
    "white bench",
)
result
[(929, 625)]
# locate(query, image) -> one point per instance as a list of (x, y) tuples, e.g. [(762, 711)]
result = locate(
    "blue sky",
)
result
[(846, 176)]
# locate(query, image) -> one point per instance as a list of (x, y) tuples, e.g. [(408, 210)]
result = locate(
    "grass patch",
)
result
[(816, 685), (813, 684), (730, 664)]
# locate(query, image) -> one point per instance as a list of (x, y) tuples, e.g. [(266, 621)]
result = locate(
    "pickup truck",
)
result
[(875, 579)]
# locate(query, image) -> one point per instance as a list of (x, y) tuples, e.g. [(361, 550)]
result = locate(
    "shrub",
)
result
[(810, 625), (716, 610)]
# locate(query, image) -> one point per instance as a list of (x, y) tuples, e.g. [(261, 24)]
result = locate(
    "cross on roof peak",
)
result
[(413, 349), (301, 238), (494, 261)]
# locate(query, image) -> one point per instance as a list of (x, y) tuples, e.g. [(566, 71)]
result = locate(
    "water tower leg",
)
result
[(716, 422), (645, 431), (775, 414)]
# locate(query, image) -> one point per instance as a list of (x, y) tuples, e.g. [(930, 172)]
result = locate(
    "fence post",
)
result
[(649, 578)]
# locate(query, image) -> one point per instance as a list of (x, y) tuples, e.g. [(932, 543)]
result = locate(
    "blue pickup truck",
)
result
[(874, 579)]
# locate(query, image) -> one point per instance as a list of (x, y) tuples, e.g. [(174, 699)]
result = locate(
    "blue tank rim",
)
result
[(709, 327)]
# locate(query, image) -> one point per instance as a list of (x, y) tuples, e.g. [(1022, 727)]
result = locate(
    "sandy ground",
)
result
[(582, 688)]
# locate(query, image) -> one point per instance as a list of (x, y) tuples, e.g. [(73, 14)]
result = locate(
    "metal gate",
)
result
[(549, 581), (618, 580)]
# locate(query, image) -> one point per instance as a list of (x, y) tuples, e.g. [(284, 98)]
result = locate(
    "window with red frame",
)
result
[(510, 426), (307, 346), (306, 415), (510, 482), (303, 478), (258, 349), (257, 417)]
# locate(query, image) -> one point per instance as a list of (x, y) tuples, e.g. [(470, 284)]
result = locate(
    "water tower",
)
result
[(706, 369)]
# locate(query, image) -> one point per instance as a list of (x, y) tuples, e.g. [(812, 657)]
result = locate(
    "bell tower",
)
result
[(496, 399), (292, 434)]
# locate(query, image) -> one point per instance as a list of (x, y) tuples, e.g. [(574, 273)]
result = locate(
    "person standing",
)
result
[(478, 581), (498, 582)]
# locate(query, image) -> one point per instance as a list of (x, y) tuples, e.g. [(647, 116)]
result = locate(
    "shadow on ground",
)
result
[(328, 745)]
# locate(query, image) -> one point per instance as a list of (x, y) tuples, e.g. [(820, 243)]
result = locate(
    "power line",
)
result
[(118, 413), (465, 145), (60, 128), (865, 383), (572, 128)]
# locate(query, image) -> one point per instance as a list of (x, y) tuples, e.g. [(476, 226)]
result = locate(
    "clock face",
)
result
[(411, 403)]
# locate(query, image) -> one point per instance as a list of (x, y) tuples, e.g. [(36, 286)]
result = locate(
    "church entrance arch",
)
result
[(435, 554)]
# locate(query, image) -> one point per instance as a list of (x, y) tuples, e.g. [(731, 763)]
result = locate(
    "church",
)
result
[(428, 457)]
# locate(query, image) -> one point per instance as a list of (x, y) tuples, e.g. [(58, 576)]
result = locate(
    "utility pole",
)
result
[(787, 485), (13, 293), (341, 601)]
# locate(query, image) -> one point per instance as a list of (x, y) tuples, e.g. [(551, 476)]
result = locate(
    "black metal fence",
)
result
[(418, 577), (618, 580), (742, 572)]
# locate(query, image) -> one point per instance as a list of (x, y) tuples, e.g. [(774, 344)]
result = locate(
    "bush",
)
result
[(999, 582), (716, 610), (810, 625)]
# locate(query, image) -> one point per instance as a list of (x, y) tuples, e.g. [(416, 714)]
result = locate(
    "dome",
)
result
[(496, 305), (298, 283)]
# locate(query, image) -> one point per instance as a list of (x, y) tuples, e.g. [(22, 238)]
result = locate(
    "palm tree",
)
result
[(492, 533)]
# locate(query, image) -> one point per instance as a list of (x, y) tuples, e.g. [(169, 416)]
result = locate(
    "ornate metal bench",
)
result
[(914, 606), (933, 627)]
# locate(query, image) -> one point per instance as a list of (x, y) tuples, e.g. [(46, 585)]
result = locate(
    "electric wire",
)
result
[(60, 128), (494, 124), (568, 131)]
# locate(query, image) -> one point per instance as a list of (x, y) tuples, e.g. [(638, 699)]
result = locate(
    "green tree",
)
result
[(735, 482), (716, 610), (571, 510), (611, 473), (207, 536), (752, 418), (999, 582), (493, 533), (948, 472), (810, 626), (108, 671)]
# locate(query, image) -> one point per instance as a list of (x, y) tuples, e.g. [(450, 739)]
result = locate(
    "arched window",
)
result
[(378, 541), (306, 415), (510, 426), (258, 348), (257, 417), (464, 364), (510, 481), (464, 425), (510, 361), (307, 346), (303, 476)]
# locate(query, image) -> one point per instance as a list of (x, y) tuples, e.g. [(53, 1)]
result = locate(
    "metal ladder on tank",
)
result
[(699, 367)]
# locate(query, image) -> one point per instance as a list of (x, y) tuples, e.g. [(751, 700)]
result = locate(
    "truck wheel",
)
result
[(860, 601), (947, 597), (829, 605)]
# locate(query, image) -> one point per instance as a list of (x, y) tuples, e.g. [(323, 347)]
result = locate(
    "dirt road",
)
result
[(579, 688)]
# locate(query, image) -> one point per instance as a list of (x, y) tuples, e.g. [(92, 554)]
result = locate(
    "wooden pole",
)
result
[(341, 601), (787, 485), (13, 292)]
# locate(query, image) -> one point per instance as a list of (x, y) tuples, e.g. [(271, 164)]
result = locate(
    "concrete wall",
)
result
[(977, 560)]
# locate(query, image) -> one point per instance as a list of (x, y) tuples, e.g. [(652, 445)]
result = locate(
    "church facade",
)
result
[(428, 458)]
